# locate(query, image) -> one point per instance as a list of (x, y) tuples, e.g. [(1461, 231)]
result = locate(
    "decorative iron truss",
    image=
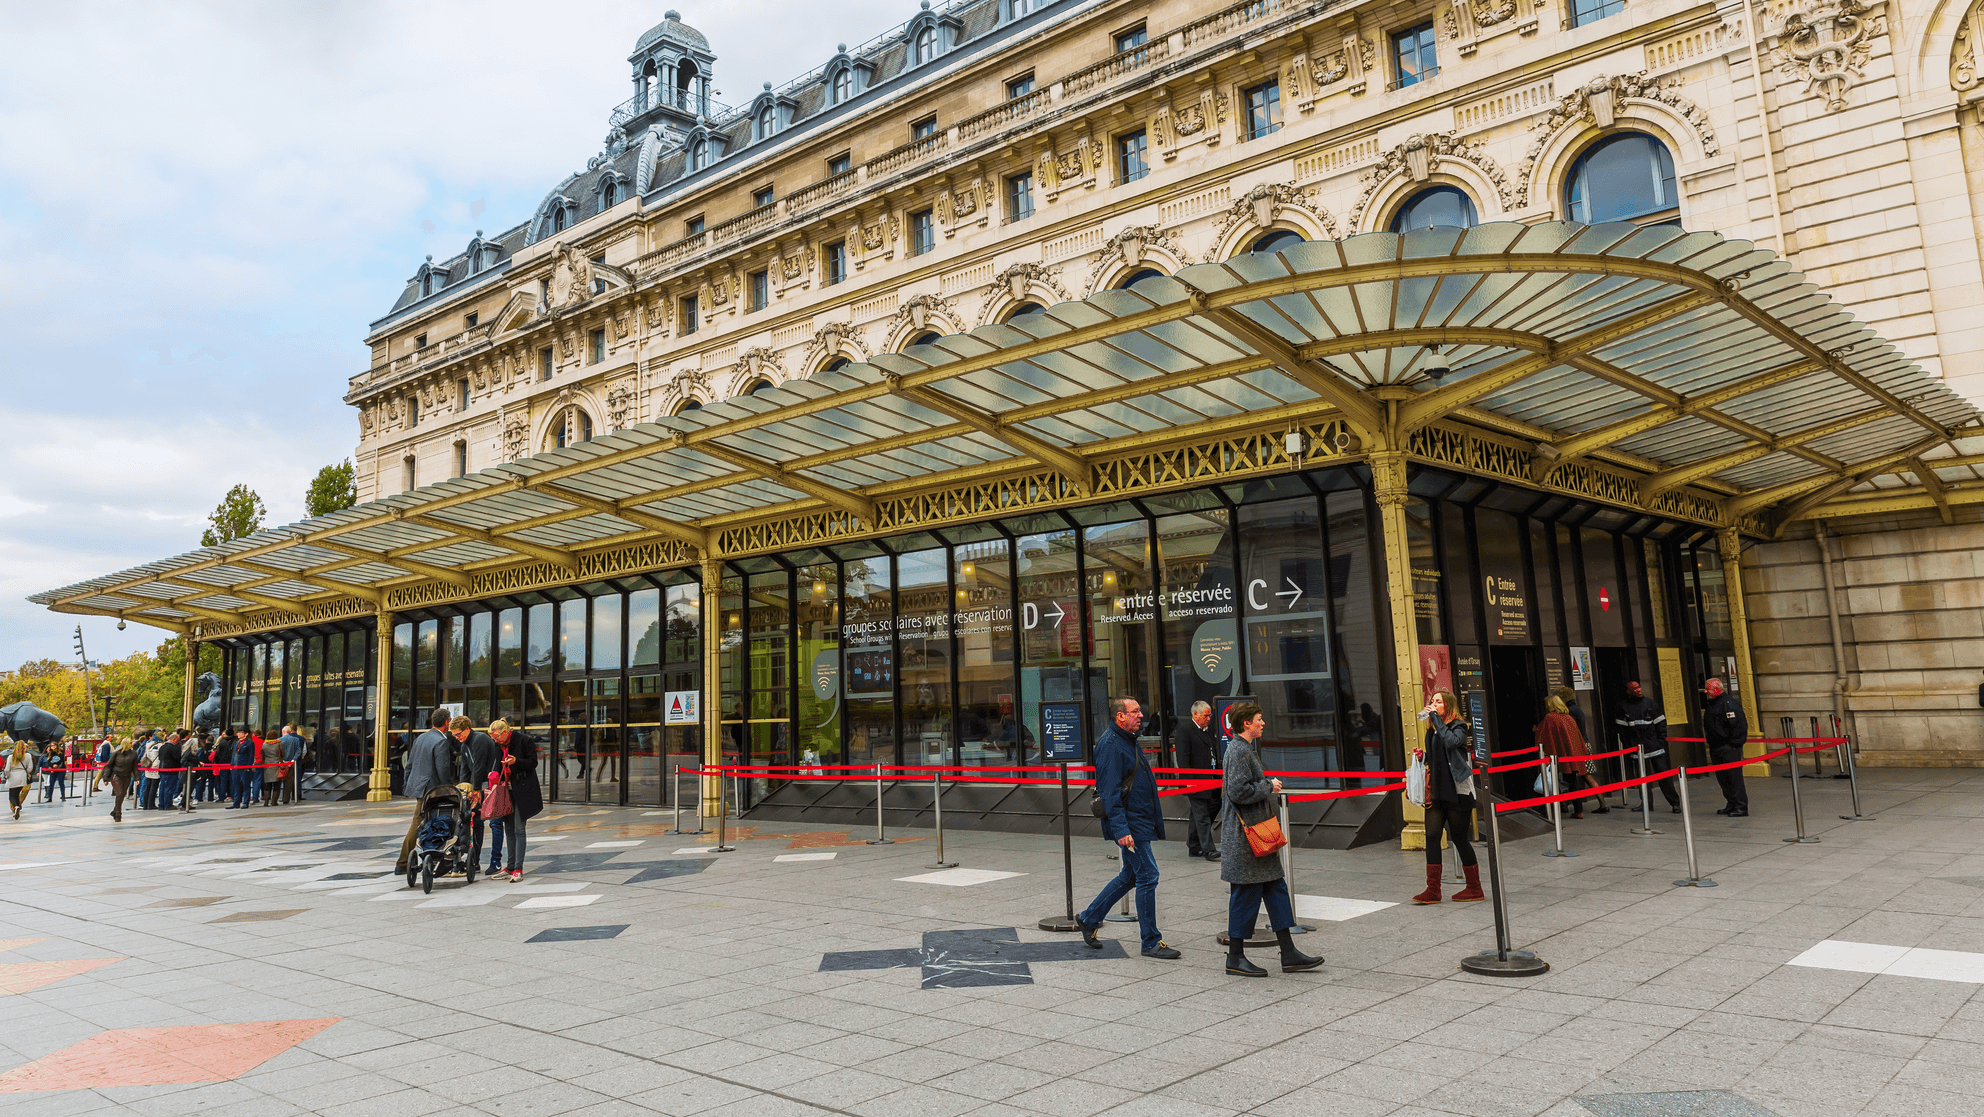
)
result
[(336, 608), (1455, 446)]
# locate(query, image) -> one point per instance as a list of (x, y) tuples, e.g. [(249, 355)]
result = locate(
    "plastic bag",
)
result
[(1415, 781)]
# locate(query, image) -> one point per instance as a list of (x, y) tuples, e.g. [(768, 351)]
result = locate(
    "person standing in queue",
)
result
[(1725, 728), (1449, 761), (1253, 882), (1197, 749), (171, 758), (1131, 819), (1563, 742), (1642, 724), (1576, 711)]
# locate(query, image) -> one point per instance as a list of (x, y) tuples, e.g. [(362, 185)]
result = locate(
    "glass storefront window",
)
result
[(538, 639), (426, 664), (1048, 589), (401, 679), (1201, 638), (454, 638), (923, 624), (571, 635), (1355, 599), (1714, 593), (605, 716), (988, 729), (1121, 615), (730, 668), (1286, 633), (643, 627), (478, 652), (312, 713), (510, 643), (768, 619), (292, 694), (868, 660), (573, 738), (818, 729)]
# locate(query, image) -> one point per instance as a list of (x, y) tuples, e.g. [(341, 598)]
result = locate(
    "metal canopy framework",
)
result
[(1683, 374)]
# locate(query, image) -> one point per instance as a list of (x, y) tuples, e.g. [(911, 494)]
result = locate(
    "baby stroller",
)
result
[(444, 842)]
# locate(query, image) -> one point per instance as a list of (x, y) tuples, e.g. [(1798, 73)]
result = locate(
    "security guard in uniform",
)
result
[(1725, 728)]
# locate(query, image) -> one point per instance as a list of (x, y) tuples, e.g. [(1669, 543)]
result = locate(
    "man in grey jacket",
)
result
[(430, 763)]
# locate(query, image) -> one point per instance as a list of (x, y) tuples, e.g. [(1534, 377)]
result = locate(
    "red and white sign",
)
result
[(1604, 600)]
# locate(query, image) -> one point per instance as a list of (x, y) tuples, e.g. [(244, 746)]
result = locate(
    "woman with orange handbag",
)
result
[(1250, 842), (1449, 794)]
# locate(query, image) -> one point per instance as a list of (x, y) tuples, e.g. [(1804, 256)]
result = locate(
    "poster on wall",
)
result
[(681, 707), (1435, 669), (1729, 672), (1581, 669)]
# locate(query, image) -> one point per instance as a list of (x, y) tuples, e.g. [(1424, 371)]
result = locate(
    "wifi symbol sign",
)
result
[(1211, 660)]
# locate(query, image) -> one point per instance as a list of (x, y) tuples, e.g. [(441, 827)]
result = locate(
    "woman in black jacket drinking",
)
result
[(1449, 795)]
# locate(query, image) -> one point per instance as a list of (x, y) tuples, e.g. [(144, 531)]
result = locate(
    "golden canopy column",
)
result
[(712, 684), (1388, 484), (382, 780), (192, 649), (1731, 546)]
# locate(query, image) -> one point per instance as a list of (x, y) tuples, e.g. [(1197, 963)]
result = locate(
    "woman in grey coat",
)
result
[(1245, 800)]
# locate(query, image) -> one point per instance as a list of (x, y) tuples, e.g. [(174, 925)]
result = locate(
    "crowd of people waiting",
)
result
[(160, 769)]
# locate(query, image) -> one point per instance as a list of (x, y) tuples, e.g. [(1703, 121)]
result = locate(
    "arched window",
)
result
[(558, 219), (685, 81), (758, 388), (767, 122), (1137, 277), (836, 363), (843, 84), (1441, 205), (610, 196), (1627, 177), (689, 405), (699, 155), (1274, 241), (571, 428), (1024, 309), (927, 337), (926, 45), (650, 84)]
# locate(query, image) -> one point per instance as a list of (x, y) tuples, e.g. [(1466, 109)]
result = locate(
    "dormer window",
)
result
[(767, 122), (843, 85), (926, 46), (699, 155), (558, 219), (610, 196)]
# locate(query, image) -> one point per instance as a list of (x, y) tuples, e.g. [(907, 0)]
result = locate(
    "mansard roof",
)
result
[(461, 266)]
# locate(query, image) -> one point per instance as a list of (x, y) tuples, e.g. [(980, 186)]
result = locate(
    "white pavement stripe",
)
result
[(556, 902), (1894, 961), (611, 845), (467, 898), (1337, 908), (959, 877), (829, 856), (34, 864), (695, 849)]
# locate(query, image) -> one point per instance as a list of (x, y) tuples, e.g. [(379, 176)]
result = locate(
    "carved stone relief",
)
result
[(835, 338), (1017, 284), (1128, 248), (1964, 50), (1419, 156), (925, 312), (619, 405), (1263, 204), (1599, 98), (1828, 47)]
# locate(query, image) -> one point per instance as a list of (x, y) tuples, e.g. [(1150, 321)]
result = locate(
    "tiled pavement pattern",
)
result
[(712, 1001)]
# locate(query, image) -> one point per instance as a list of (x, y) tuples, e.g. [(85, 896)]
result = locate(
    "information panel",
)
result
[(1061, 731)]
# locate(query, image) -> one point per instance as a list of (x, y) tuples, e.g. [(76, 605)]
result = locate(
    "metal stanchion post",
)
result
[(722, 816), (1852, 775), (1288, 866), (1645, 828), (677, 789), (1556, 812), (881, 837), (1784, 731), (1797, 803), (937, 800), (1695, 877), (1066, 922), (1501, 961)]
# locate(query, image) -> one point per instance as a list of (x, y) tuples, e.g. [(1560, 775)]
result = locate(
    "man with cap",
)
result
[(1725, 728), (1642, 724)]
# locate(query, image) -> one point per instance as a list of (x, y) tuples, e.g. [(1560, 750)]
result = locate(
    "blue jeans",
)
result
[(55, 785), (239, 786), (1139, 871), (254, 785), (148, 793), (168, 789), (1244, 904)]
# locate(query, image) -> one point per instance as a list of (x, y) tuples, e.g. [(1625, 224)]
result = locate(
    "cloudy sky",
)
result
[(202, 205)]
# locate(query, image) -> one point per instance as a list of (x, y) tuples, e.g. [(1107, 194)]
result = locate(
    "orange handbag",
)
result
[(1265, 837)]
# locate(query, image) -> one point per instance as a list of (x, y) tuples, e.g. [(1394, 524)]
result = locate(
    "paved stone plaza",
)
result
[(261, 963)]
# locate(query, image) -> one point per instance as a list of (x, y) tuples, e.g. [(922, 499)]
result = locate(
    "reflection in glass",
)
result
[(478, 653), (868, 662), (572, 635), (454, 638), (1286, 634), (1201, 642), (510, 643), (644, 627), (988, 725), (606, 632), (605, 745), (1439, 205), (1050, 615), (573, 735), (818, 729), (1621, 178), (1122, 612), (923, 624), (538, 637), (769, 620)]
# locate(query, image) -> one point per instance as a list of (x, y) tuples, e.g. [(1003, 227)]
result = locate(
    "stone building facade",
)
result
[(877, 201)]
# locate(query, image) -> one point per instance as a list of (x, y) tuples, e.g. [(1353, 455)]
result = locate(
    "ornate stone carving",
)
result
[(1828, 47), (1331, 68), (1964, 50), (1128, 248), (659, 320), (719, 291), (1492, 12), (835, 339), (925, 312), (792, 267), (1576, 107), (566, 345), (1419, 157), (879, 235), (1018, 282), (619, 402), (759, 360), (1190, 120), (516, 438), (1263, 205), (571, 277)]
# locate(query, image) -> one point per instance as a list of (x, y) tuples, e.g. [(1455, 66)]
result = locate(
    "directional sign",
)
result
[(1061, 732), (1032, 616), (1258, 602)]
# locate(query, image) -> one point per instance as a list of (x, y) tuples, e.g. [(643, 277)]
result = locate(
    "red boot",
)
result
[(1432, 893), (1473, 889)]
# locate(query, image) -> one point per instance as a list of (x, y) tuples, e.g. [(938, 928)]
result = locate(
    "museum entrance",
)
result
[(1515, 686)]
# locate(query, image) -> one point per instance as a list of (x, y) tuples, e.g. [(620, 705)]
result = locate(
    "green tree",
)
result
[(335, 489), (239, 513)]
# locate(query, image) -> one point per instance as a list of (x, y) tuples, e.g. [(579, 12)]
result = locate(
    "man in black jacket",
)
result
[(169, 776), (1642, 724), (475, 757), (1725, 729), (1196, 749)]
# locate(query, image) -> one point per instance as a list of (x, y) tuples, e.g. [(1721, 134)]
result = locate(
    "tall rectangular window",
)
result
[(461, 395), (1263, 110), (1019, 87), (837, 262), (1132, 156), (461, 459), (1413, 53), (1587, 11), (762, 197), (406, 474), (868, 660), (922, 232), (1019, 197), (1131, 39), (989, 729), (544, 363), (689, 315), (840, 164), (923, 632), (694, 226), (761, 289), (469, 320), (923, 128), (597, 344)]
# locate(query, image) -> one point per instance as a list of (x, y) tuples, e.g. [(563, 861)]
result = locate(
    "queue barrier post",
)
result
[(722, 816), (1695, 879), (1288, 866), (1556, 811), (1797, 802), (1645, 828), (881, 837), (1501, 961), (677, 790), (1784, 732), (1065, 923), (1845, 748), (937, 802)]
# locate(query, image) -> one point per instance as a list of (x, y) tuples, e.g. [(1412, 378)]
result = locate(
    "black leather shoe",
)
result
[(1601, 810), (1739, 813), (1088, 931), (1296, 962), (1725, 810), (1677, 810), (1211, 857), (1239, 966), (1163, 950)]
